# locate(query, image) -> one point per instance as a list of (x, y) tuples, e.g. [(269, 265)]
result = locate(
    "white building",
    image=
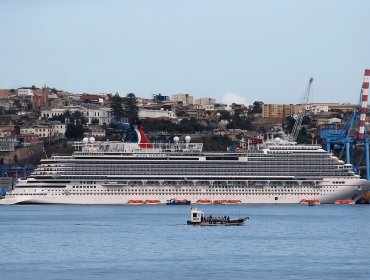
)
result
[(103, 115), (317, 108), (25, 92), (96, 132), (155, 114), (7, 143), (54, 129), (205, 101), (182, 97), (43, 131), (58, 128), (5, 103)]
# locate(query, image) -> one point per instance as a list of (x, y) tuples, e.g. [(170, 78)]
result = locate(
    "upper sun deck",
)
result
[(121, 147), (114, 148)]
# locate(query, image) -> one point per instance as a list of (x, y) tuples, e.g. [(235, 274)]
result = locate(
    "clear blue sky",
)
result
[(259, 50)]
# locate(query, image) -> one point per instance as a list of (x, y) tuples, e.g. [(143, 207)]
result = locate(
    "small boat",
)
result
[(152, 201), (310, 202), (178, 202), (204, 201), (136, 201), (197, 218), (345, 201)]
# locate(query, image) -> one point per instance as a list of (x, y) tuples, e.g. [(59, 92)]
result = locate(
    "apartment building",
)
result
[(54, 129), (280, 111), (204, 101), (182, 97)]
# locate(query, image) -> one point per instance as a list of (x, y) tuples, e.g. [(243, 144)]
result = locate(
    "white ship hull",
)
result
[(133, 173), (327, 193)]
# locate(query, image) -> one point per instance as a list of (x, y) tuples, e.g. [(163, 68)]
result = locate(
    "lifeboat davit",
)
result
[(152, 201), (136, 201), (204, 201), (310, 201), (345, 201)]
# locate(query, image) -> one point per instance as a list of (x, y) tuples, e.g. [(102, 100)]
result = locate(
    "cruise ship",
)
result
[(274, 172)]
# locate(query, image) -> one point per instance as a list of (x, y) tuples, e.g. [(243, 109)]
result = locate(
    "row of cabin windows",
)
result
[(129, 194)]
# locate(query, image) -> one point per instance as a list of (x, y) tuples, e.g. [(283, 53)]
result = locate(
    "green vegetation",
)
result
[(117, 109), (215, 142), (74, 123), (74, 128), (239, 121), (129, 109), (94, 121), (303, 136), (191, 125)]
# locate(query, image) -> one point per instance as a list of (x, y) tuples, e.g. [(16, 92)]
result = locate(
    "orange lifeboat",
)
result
[(221, 201), (136, 201), (345, 201), (204, 201), (310, 201), (234, 201), (152, 201)]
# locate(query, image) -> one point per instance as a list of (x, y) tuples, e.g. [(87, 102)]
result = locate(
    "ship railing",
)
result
[(104, 147), (61, 155)]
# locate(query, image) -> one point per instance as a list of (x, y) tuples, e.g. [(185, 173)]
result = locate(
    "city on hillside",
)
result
[(36, 121)]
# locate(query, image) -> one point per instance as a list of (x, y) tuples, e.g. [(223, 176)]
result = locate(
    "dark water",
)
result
[(148, 242)]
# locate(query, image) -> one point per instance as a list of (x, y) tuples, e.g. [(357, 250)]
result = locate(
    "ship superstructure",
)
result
[(118, 172)]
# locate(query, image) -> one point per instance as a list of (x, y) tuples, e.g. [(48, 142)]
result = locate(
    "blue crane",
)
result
[(352, 134)]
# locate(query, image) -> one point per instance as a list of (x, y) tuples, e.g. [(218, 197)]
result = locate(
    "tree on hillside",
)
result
[(239, 121), (29, 106), (224, 115), (306, 120), (116, 105), (303, 136), (288, 124), (76, 120), (95, 121), (74, 131), (131, 110)]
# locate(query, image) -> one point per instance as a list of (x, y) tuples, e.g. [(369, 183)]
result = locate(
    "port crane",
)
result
[(353, 133), (301, 114)]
